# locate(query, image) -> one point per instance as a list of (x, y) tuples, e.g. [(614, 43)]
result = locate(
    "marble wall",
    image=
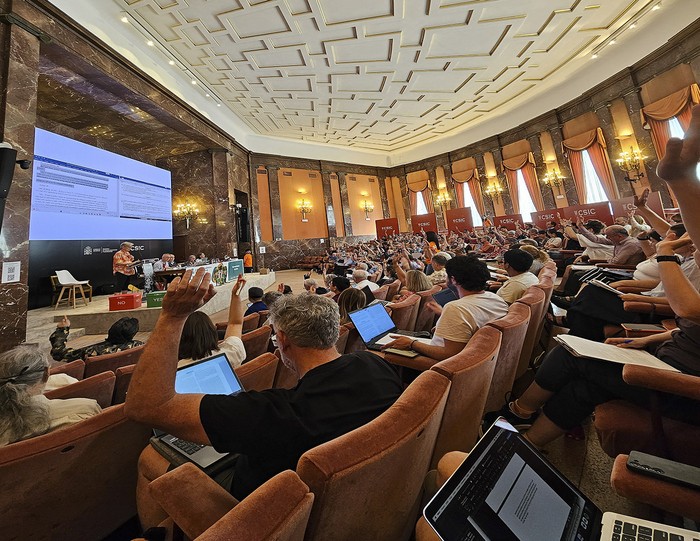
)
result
[(286, 254)]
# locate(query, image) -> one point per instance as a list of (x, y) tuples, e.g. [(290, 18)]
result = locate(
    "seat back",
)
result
[(65, 277), (256, 341), (250, 322), (368, 482), (121, 385), (426, 319), (342, 341), (355, 342), (75, 369), (259, 373), (75, 483), (263, 316), (278, 510), (393, 289), (284, 377), (404, 313), (99, 387), (381, 293), (534, 298), (513, 327), (470, 372), (112, 361)]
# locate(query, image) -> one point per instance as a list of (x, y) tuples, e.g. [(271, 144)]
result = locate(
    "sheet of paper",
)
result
[(609, 352), (10, 271)]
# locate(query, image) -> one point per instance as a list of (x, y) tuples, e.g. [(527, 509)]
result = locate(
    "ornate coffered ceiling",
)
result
[(389, 80)]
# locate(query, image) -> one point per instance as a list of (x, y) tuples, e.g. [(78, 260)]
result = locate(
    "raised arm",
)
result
[(655, 221), (235, 310), (152, 399), (682, 296)]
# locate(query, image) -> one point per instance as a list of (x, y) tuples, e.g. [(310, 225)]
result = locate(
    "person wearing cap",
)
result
[(255, 295), (123, 266)]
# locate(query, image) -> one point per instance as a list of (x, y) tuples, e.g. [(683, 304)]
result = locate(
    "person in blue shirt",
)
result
[(255, 295)]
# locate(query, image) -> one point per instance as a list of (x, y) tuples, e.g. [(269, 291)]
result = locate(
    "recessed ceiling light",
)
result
[(150, 43), (207, 95), (125, 19), (633, 25), (218, 105), (612, 42), (172, 62), (657, 6), (194, 82), (594, 55)]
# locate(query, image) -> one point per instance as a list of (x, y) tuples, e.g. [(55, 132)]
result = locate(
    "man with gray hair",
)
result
[(270, 429), (359, 276), (626, 249)]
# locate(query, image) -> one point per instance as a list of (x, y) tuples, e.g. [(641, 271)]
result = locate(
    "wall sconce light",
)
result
[(553, 179), (367, 207), (494, 190), (305, 208), (187, 212), (631, 163), (443, 199)]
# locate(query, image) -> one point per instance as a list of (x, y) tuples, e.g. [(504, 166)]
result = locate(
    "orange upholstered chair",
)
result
[(342, 342), (381, 293), (256, 342), (470, 372), (202, 510), (259, 373), (513, 326), (405, 313), (534, 298), (250, 322), (121, 385), (112, 361), (75, 483), (99, 387), (426, 319), (263, 317), (623, 426), (354, 342), (393, 289), (75, 369), (368, 483)]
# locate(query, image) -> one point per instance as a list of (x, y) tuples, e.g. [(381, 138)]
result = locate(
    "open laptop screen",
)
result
[(505, 490), (371, 321), (213, 375)]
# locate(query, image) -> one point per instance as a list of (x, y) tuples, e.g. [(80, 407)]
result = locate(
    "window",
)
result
[(677, 131), (527, 207), (469, 202), (594, 188), (420, 204)]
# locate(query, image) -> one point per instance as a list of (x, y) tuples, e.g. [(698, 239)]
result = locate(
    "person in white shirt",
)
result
[(459, 319), (25, 411), (439, 274), (360, 278), (517, 264)]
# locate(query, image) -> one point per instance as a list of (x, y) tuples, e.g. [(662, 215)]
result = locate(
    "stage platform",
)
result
[(95, 318)]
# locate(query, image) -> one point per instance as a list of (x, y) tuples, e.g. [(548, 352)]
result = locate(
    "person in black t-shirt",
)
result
[(273, 428)]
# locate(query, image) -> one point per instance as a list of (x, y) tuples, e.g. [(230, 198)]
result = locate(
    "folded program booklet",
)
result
[(580, 347)]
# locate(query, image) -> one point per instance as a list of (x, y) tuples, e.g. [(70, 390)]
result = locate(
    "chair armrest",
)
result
[(632, 289), (662, 380), (649, 308), (99, 387), (75, 369), (191, 498), (421, 362), (615, 266), (669, 324)]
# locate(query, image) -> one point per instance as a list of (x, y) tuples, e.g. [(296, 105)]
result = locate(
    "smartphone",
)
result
[(655, 235), (664, 469)]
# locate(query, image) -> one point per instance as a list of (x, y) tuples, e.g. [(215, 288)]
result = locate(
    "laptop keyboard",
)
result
[(484, 478), (186, 447), (627, 531)]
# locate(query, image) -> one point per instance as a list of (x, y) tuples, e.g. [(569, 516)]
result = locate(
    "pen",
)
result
[(627, 342)]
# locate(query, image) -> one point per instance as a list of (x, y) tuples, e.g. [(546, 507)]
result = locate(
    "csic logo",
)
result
[(459, 220), (585, 212), (387, 227), (508, 221), (139, 248), (629, 206), (87, 250), (423, 223), (546, 216)]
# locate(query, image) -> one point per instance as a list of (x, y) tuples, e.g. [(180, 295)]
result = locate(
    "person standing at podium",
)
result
[(123, 266)]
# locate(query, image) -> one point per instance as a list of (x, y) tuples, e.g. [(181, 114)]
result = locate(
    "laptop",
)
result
[(506, 490), (212, 375), (444, 296), (370, 297), (375, 326)]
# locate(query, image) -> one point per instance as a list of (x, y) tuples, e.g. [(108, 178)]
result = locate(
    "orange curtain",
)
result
[(475, 190), (512, 178), (428, 200), (594, 142), (462, 178), (576, 163), (413, 198), (533, 186), (459, 188), (660, 134), (601, 164), (657, 114), (684, 116)]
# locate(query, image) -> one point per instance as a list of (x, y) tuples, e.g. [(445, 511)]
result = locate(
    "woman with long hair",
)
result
[(350, 299)]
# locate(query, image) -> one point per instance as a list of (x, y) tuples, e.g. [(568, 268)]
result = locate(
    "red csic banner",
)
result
[(620, 207), (508, 221), (427, 222), (459, 219), (542, 219), (592, 211), (387, 227)]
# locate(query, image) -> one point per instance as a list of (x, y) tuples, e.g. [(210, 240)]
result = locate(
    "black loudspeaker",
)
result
[(8, 158)]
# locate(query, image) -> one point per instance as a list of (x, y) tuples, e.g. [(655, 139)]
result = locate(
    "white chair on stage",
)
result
[(68, 283)]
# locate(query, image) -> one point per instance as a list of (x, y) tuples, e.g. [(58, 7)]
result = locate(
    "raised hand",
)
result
[(640, 201), (671, 243), (682, 155), (188, 293), (238, 286)]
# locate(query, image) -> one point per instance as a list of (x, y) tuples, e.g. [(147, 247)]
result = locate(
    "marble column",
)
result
[(226, 233), (541, 170), (432, 184), (256, 234), (613, 150), (406, 201), (386, 213), (634, 106), (345, 201), (564, 167), (505, 196), (489, 209), (19, 73), (276, 209), (450, 186), (328, 203)]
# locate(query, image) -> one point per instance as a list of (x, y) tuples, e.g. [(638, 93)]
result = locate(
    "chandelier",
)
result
[(187, 212), (631, 163)]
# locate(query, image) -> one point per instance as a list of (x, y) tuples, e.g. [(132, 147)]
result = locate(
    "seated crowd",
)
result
[(488, 269)]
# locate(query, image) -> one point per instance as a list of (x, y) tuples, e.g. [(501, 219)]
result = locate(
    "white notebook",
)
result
[(581, 347)]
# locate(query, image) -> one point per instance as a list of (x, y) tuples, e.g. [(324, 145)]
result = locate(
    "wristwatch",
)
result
[(673, 258)]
